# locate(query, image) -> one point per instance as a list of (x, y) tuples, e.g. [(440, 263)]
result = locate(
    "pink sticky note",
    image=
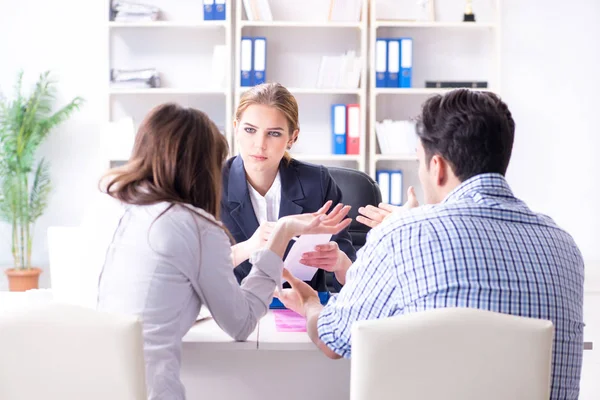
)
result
[(289, 321)]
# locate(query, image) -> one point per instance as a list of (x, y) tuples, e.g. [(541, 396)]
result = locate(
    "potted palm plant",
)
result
[(25, 121)]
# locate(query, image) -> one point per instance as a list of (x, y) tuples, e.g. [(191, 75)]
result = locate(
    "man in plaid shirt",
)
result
[(473, 245)]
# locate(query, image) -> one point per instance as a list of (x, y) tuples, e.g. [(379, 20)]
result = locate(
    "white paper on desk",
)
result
[(303, 244)]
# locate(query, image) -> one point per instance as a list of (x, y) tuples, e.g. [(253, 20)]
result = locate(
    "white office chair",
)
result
[(452, 354), (68, 352), (76, 254)]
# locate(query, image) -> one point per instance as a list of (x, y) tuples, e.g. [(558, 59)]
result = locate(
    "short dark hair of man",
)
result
[(472, 130)]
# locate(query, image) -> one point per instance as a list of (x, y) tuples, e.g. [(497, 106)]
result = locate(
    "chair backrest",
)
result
[(70, 276), (358, 190), (452, 354), (68, 352)]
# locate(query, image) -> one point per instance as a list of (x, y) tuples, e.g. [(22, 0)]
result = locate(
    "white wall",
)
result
[(552, 95), (69, 38), (551, 81)]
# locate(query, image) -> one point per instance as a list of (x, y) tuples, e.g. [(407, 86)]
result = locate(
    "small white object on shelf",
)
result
[(123, 11), (341, 71), (396, 137), (258, 10)]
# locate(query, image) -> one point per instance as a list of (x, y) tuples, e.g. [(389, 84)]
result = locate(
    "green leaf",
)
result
[(9, 200), (40, 191)]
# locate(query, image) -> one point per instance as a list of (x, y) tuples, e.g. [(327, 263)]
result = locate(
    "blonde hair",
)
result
[(273, 95)]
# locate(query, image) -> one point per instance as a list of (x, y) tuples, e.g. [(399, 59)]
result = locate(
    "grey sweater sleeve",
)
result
[(236, 309)]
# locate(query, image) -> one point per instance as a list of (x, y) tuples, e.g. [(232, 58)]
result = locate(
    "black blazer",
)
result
[(304, 189)]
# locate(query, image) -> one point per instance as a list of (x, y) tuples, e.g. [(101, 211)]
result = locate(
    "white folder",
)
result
[(383, 180), (396, 188)]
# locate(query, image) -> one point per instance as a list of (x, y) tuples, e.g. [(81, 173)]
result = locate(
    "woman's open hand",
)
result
[(319, 221)]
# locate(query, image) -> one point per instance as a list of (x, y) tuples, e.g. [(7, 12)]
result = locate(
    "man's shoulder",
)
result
[(461, 218), (415, 216), (433, 216)]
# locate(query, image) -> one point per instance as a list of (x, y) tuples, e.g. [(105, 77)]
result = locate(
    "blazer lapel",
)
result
[(239, 197), (291, 191)]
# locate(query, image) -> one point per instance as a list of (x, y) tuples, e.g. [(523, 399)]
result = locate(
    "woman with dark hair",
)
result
[(169, 253)]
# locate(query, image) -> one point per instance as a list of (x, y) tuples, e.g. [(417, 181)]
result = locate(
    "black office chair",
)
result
[(358, 190)]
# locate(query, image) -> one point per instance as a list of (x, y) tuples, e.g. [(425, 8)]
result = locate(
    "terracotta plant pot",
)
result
[(20, 280)]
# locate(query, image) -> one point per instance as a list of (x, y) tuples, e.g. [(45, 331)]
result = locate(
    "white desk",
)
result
[(208, 334), (273, 364)]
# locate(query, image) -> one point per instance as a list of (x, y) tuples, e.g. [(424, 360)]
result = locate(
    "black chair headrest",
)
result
[(358, 190)]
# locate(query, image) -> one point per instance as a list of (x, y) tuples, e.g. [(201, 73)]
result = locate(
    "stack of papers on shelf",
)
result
[(396, 137), (345, 10), (121, 11), (134, 78), (340, 72), (258, 10)]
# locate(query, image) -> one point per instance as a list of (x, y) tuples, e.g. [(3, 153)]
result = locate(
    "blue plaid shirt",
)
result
[(481, 248)]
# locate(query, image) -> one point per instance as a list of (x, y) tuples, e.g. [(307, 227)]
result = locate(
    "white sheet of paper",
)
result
[(302, 245)]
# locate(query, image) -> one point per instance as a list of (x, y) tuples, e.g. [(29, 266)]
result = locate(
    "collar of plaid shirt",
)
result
[(492, 184)]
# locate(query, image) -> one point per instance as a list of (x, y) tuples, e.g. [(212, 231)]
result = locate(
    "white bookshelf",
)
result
[(395, 157), (327, 157), (296, 90), (301, 24), (412, 91), (166, 91), (444, 49), (297, 37), (433, 24), (180, 46), (168, 24)]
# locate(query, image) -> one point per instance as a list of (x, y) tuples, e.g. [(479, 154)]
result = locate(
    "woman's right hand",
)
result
[(260, 237), (240, 252), (313, 223), (318, 222)]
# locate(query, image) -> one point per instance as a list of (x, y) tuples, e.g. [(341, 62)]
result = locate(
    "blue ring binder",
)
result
[(278, 305)]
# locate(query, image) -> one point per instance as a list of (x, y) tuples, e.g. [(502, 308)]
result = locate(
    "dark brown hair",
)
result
[(474, 131), (273, 95), (177, 158)]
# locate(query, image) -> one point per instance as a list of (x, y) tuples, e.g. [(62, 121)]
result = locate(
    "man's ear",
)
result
[(235, 123), (439, 166)]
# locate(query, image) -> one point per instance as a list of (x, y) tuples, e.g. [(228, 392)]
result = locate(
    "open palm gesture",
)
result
[(319, 221)]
